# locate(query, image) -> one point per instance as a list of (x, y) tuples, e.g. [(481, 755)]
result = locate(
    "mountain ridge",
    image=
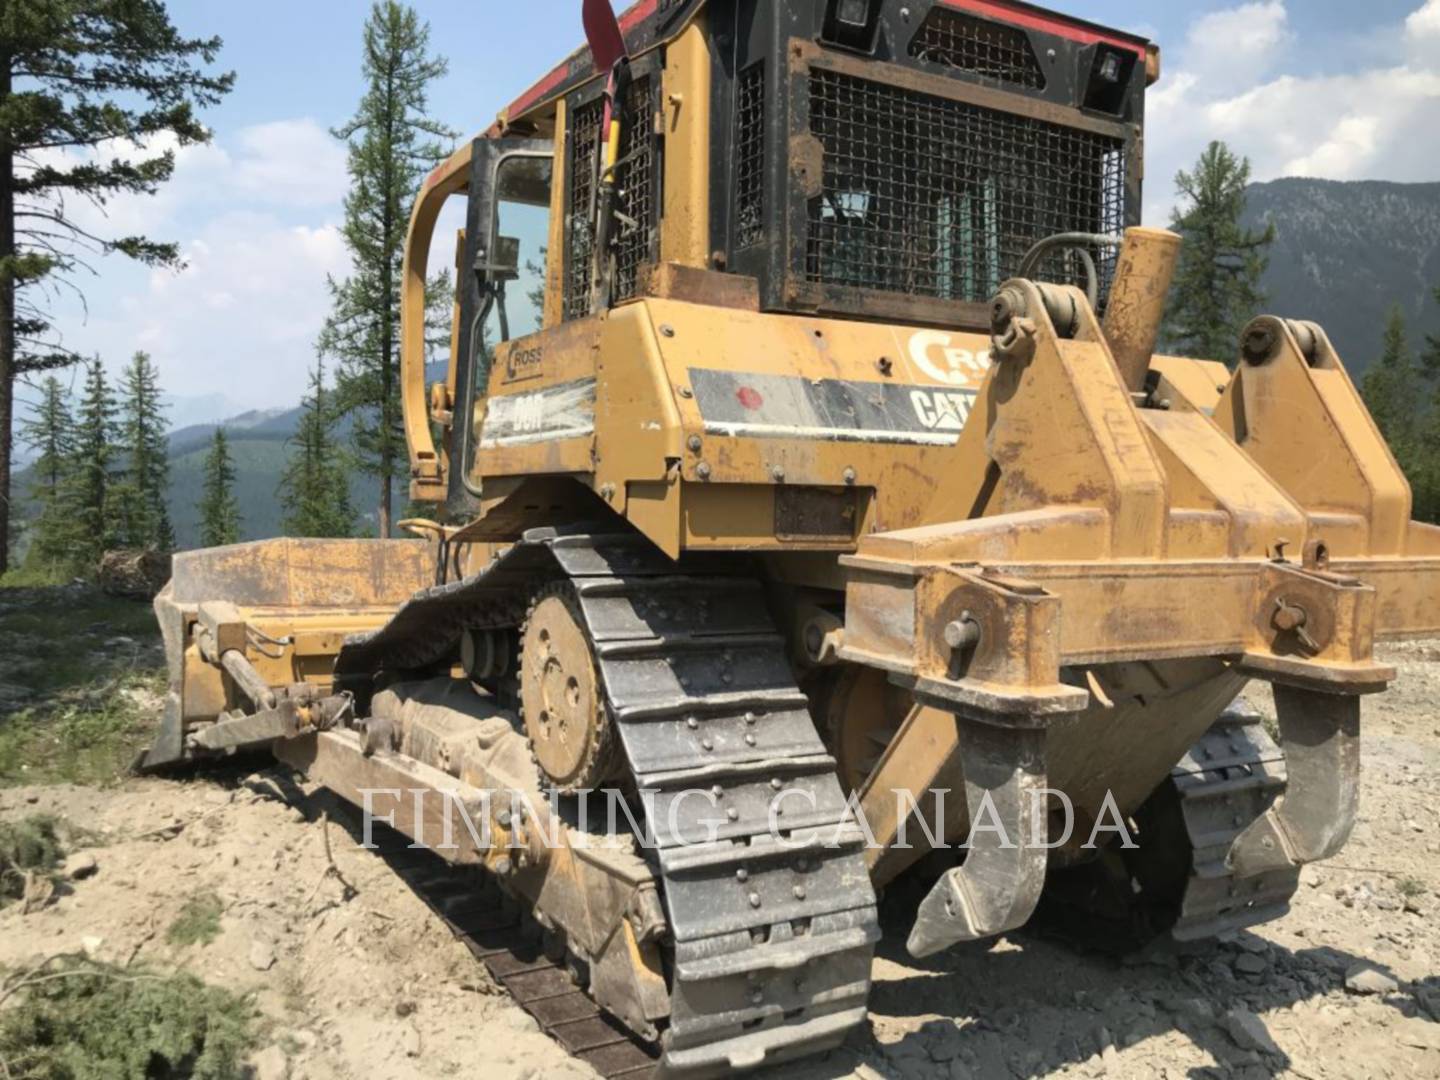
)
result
[(1345, 251)]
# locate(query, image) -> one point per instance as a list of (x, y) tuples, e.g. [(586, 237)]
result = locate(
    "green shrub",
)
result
[(31, 846), (198, 922), (77, 1019)]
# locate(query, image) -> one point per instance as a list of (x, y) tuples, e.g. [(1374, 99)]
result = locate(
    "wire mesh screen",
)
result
[(635, 197), (635, 188), (988, 49), (937, 198), (750, 156), (582, 142)]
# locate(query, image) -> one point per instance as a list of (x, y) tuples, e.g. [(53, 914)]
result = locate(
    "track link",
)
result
[(1225, 783), (491, 926), (773, 929)]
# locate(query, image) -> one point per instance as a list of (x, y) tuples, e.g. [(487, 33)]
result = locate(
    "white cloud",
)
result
[(1425, 23), (1348, 125), (296, 162), (1243, 42), (256, 217)]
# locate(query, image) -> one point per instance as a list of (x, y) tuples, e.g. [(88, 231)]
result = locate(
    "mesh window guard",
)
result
[(750, 156), (991, 50), (635, 191), (931, 197)]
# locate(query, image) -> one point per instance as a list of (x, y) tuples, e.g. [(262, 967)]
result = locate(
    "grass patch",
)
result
[(84, 736), (198, 922), (1410, 888), (82, 688), (30, 846), (81, 1020), (33, 577)]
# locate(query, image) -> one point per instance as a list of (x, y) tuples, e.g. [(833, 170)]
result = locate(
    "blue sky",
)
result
[(1327, 88)]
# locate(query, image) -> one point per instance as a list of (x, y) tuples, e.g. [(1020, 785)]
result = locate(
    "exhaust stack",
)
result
[(1137, 300)]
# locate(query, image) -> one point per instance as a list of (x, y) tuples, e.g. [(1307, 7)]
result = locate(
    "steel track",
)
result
[(1225, 783), (771, 934)]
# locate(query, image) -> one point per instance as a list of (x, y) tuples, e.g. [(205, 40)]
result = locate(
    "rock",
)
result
[(92, 946), (1250, 964), (1249, 1032), (138, 575), (270, 1064), (1364, 978), (81, 865), (262, 955), (410, 1039)]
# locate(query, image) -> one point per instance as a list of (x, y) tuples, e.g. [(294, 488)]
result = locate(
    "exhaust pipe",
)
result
[(1137, 300)]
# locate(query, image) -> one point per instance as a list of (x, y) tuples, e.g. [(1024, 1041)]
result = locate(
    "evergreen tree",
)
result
[(1426, 482), (50, 433), (1392, 391), (393, 144), (141, 497), (1430, 357), (314, 490), (1217, 284), (76, 74), (219, 510), (88, 495)]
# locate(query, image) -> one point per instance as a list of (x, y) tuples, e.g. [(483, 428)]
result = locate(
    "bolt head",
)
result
[(963, 633), (695, 444), (703, 470), (754, 899)]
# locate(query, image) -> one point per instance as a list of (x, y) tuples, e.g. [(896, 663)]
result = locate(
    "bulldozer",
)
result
[(808, 477)]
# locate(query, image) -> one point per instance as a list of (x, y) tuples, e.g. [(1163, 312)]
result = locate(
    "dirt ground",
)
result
[(371, 986)]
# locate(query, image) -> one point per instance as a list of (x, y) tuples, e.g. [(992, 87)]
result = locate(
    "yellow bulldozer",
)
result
[(805, 457)]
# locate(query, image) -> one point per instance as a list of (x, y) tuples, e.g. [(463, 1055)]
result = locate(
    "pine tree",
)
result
[(1427, 482), (1430, 357), (314, 490), (88, 496), (141, 496), (50, 433), (76, 74), (1217, 284), (393, 144), (219, 509), (1392, 391)]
